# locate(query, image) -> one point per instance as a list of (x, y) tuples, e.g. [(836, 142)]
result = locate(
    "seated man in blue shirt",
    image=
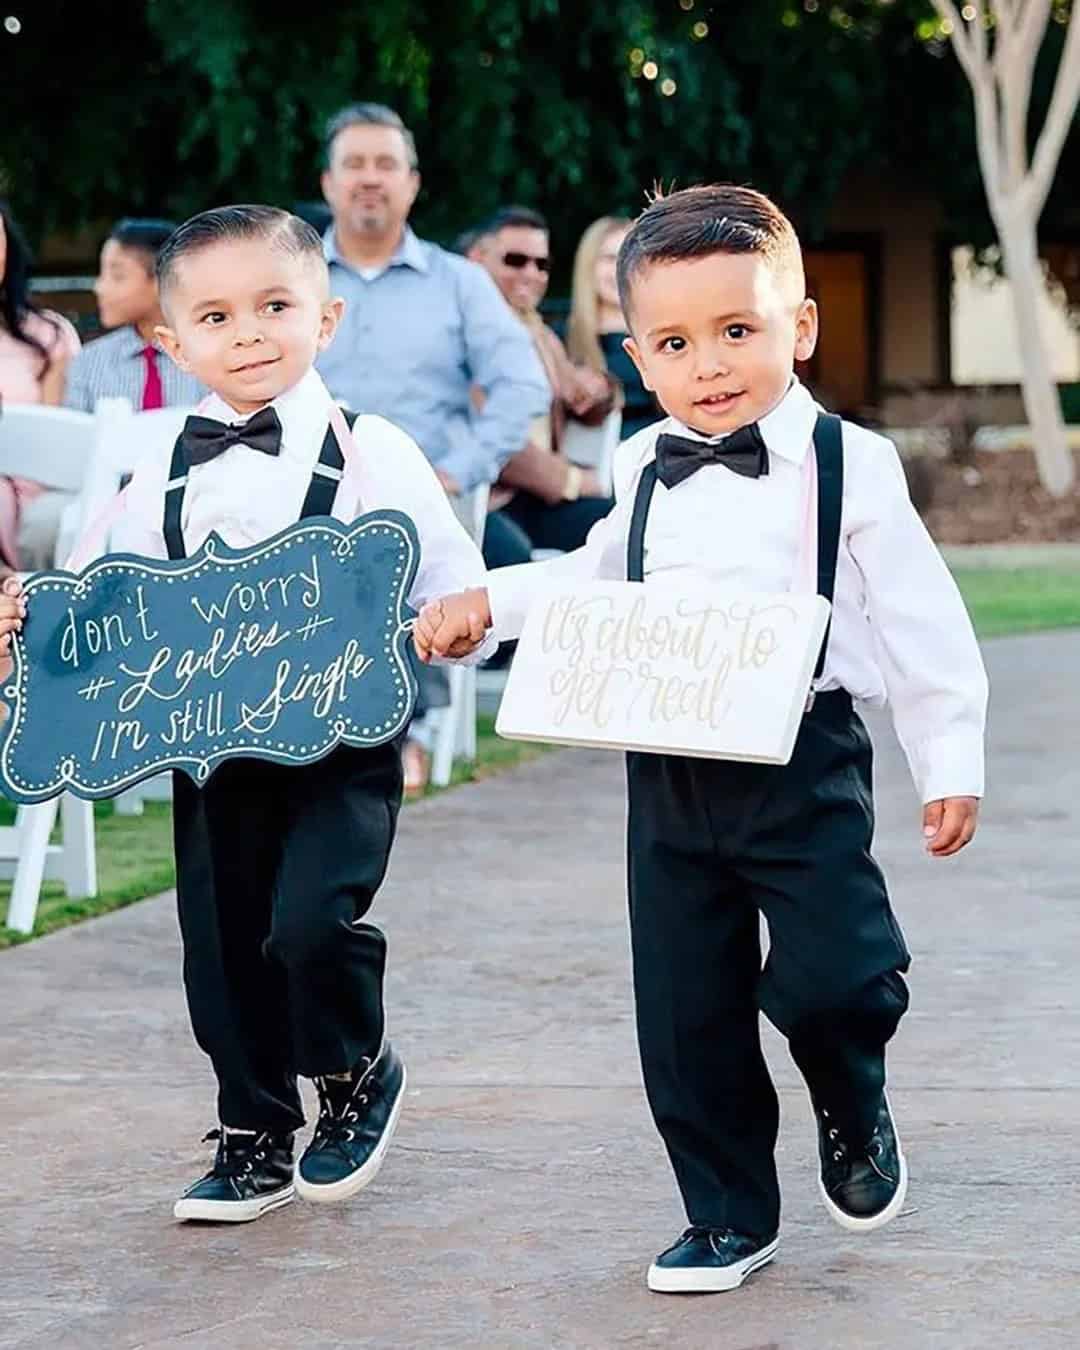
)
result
[(421, 327)]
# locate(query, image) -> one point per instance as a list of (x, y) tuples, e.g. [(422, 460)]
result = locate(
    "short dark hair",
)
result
[(467, 238), (369, 115), (699, 221), (145, 235), (524, 217), (280, 229)]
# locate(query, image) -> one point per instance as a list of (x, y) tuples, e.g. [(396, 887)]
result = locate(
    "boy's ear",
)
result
[(806, 330), (632, 350), (328, 323), (171, 343)]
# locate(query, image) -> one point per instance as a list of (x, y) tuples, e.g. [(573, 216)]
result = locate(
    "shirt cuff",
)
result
[(948, 766), (509, 596)]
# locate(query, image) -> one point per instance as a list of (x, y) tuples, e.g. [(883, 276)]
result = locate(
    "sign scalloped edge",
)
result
[(215, 550)]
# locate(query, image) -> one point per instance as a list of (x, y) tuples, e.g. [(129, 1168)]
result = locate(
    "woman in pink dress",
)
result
[(35, 348)]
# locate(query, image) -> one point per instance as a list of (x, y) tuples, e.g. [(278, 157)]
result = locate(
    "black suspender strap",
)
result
[(326, 475), (174, 503), (635, 541), (319, 500), (829, 449)]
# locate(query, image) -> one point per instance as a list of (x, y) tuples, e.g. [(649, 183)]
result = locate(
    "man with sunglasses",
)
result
[(551, 502)]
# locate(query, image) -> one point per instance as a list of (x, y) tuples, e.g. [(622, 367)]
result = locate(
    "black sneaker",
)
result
[(356, 1121), (863, 1187), (709, 1261), (252, 1173)]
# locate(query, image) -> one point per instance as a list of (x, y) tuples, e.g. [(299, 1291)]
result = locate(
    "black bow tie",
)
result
[(203, 439), (743, 452)]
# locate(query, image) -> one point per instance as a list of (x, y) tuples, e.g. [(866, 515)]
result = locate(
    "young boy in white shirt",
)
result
[(712, 284), (277, 865)]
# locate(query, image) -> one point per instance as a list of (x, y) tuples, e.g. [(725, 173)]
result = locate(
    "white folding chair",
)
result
[(27, 858), (122, 438), (590, 448), (51, 446), (456, 734), (594, 447)]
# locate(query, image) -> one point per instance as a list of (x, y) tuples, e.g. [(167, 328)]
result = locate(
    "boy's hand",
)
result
[(12, 611), (453, 626), (949, 824)]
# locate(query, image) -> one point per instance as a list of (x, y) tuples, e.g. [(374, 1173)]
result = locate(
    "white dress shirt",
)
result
[(247, 496), (900, 633)]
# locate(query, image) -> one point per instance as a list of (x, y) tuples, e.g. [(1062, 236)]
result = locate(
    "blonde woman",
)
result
[(596, 330)]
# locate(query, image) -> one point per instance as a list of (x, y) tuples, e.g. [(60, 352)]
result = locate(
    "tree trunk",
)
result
[(1021, 258)]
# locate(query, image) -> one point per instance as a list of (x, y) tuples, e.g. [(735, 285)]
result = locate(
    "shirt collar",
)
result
[(129, 343), (411, 252), (303, 410), (786, 429)]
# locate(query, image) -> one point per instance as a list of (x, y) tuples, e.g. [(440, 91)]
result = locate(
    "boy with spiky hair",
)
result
[(711, 282)]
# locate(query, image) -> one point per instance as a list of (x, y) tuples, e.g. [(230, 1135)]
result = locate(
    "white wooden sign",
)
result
[(702, 670)]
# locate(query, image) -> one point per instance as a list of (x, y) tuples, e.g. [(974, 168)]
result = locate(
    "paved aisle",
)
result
[(526, 1190)]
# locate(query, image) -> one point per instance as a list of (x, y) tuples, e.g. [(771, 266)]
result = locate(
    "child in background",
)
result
[(127, 362)]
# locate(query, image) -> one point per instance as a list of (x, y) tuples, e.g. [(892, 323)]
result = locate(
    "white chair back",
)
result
[(594, 447), (122, 438), (476, 513), (51, 446), (456, 734)]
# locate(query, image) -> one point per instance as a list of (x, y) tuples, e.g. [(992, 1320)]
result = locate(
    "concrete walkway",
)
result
[(526, 1190)]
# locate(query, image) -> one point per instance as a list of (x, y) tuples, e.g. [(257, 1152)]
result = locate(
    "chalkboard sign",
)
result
[(281, 651)]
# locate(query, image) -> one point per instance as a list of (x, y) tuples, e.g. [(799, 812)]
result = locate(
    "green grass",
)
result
[(134, 853), (134, 857), (1021, 601)]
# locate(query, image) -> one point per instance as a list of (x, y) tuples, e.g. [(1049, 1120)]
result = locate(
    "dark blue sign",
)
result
[(281, 651)]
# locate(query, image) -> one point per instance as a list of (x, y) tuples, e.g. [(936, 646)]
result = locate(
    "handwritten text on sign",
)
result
[(281, 651), (694, 671)]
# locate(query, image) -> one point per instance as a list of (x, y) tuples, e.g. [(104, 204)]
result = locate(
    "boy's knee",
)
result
[(325, 932), (875, 1006), (305, 938)]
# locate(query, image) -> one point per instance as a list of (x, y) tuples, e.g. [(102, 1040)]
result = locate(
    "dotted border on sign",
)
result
[(217, 556)]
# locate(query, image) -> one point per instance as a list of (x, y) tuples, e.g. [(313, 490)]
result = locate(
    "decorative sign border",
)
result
[(217, 555)]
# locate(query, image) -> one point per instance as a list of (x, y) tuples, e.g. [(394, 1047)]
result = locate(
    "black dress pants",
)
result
[(713, 845), (526, 522), (276, 867), (564, 526)]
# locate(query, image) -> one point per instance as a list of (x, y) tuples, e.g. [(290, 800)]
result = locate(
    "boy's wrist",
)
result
[(477, 597)]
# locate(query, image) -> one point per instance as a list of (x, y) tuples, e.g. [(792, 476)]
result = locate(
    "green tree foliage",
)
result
[(171, 105)]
